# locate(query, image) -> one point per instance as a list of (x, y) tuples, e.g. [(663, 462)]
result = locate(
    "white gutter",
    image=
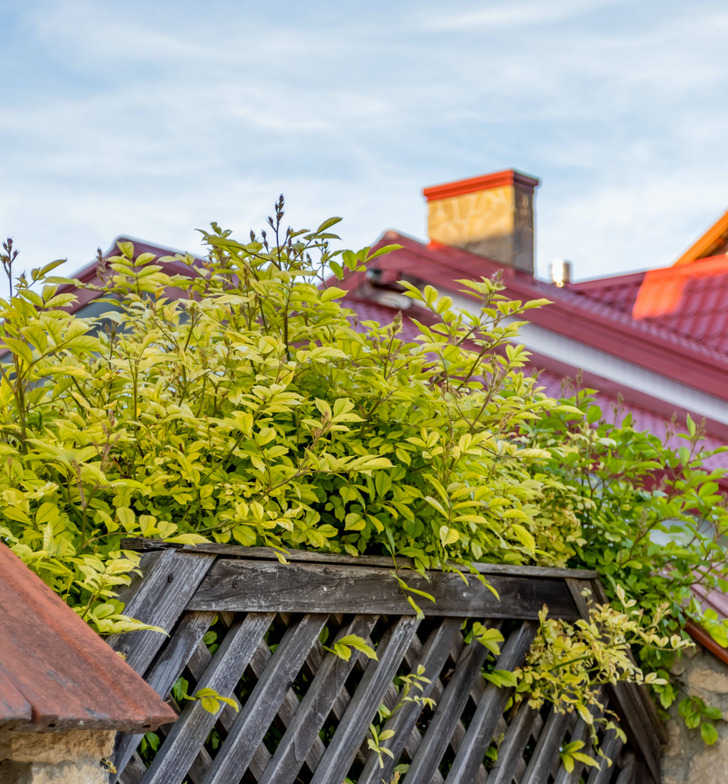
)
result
[(592, 360), (627, 374)]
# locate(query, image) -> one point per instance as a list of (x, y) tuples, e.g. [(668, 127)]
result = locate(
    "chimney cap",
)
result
[(482, 183)]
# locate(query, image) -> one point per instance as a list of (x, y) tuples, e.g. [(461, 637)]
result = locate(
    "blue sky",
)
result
[(153, 118)]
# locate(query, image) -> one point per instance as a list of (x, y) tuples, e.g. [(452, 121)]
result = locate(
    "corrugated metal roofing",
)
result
[(618, 292), (613, 408), (695, 308), (441, 266), (55, 672), (702, 309)]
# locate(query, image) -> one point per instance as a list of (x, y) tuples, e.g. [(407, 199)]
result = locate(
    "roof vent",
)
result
[(560, 272)]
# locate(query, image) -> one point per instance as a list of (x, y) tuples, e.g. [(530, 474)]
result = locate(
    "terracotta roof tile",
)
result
[(55, 672)]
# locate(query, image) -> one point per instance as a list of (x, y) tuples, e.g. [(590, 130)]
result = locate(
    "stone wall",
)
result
[(686, 759), (71, 757)]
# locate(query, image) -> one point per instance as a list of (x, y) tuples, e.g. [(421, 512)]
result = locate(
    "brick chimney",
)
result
[(490, 215)]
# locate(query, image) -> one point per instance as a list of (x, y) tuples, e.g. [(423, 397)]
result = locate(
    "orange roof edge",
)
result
[(483, 183), (706, 244), (659, 294)]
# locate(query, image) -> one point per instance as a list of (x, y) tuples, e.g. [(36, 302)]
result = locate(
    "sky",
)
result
[(151, 119)]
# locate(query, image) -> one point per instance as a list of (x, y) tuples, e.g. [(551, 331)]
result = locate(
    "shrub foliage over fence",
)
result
[(240, 403), (430, 705)]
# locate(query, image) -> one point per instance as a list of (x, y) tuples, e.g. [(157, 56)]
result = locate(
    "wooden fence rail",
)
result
[(258, 632)]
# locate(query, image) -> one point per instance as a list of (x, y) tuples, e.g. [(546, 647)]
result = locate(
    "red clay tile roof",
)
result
[(55, 672)]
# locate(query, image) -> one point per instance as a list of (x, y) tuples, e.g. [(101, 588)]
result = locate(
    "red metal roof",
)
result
[(595, 324), (615, 401), (618, 292), (55, 672)]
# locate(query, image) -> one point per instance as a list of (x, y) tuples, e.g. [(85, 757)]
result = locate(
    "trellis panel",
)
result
[(256, 631)]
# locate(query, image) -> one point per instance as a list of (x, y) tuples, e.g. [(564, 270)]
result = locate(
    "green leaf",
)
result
[(524, 537), (502, 678), (708, 733), (358, 644), (327, 224), (448, 535)]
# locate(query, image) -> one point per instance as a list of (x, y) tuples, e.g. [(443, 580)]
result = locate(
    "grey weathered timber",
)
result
[(133, 772), (286, 712), (314, 709), (449, 708), (272, 663), (546, 753), (650, 710), (354, 724), (239, 585), (197, 665), (189, 733), (432, 658), (628, 774), (581, 732), (262, 706), (305, 556), (611, 746), (640, 724), (169, 579), (166, 670), (511, 750), (636, 724), (490, 709)]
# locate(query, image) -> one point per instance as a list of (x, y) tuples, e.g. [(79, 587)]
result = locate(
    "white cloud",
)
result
[(151, 119)]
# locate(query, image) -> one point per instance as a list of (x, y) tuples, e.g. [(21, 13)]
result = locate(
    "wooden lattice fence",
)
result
[(305, 714)]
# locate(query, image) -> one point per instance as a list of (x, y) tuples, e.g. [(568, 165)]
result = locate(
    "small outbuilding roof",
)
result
[(55, 672)]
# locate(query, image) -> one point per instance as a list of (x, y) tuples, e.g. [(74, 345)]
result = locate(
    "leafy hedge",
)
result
[(240, 402)]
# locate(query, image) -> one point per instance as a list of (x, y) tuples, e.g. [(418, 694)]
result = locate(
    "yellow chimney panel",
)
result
[(491, 216)]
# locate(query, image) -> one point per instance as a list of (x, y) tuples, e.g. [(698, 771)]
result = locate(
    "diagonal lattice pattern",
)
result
[(244, 629)]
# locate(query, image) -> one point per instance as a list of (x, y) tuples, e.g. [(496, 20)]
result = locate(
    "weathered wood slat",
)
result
[(286, 712), (166, 670), (304, 556), (201, 762), (302, 732), (239, 585), (581, 732), (188, 735), (510, 752), (636, 724), (432, 658), (343, 698), (640, 724), (649, 706), (355, 722), (490, 708), (449, 708), (546, 752), (186, 639), (628, 774), (650, 709), (198, 663), (133, 771), (170, 580), (263, 703), (476, 694), (611, 746)]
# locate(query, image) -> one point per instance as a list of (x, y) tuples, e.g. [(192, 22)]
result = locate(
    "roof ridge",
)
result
[(573, 298)]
